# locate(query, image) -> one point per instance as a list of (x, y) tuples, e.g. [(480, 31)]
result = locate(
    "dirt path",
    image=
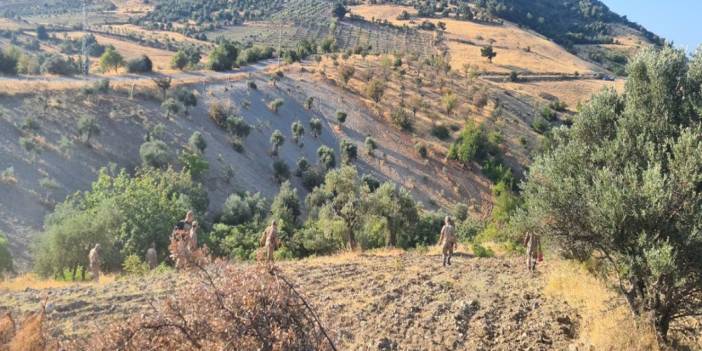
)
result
[(398, 302)]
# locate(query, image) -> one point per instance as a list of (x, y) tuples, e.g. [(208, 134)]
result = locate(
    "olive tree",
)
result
[(623, 185)]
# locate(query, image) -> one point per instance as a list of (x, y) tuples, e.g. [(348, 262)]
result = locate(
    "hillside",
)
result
[(388, 301)]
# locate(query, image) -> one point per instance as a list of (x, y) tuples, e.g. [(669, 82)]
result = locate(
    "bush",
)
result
[(421, 149), (132, 210), (540, 125), (244, 208), (5, 256), (111, 60), (197, 142), (375, 90), (194, 163), (341, 116), (275, 105), (56, 64), (212, 305), (471, 145), (548, 114), (326, 157), (281, 171), (8, 62), (141, 64), (370, 144), (349, 151), (87, 128), (440, 131), (133, 265), (154, 154), (402, 119), (312, 178), (482, 251), (219, 112)]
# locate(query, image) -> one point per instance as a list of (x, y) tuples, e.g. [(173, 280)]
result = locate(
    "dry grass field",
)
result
[(9, 24), (517, 49), (161, 58), (163, 36), (571, 92)]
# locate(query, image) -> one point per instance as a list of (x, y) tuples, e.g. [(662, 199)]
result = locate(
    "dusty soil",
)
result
[(392, 301)]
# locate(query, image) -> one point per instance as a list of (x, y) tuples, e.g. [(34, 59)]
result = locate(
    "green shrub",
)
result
[(5, 256), (440, 132), (133, 265), (154, 154), (243, 208), (141, 64), (133, 211), (402, 119), (482, 251)]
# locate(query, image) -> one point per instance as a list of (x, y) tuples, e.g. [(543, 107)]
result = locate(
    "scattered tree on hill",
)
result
[(186, 97), (238, 127), (154, 153), (349, 151), (339, 10), (277, 140), (111, 60), (298, 131), (399, 210), (488, 53), (242, 208), (622, 186), (450, 101), (5, 256), (197, 142), (286, 208), (42, 34), (186, 57), (87, 128), (316, 127), (8, 62), (219, 111), (309, 102), (275, 105), (346, 73), (141, 64), (371, 145), (326, 157), (223, 57), (375, 90), (163, 84), (341, 117), (281, 171), (171, 106)]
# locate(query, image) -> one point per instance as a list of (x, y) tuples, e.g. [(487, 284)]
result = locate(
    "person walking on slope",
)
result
[(94, 262), (269, 240), (152, 256), (534, 253), (447, 240)]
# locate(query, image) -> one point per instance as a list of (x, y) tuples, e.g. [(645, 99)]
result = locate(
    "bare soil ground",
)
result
[(390, 301)]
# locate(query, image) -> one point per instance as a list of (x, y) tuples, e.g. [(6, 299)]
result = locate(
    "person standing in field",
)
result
[(269, 240), (152, 256), (533, 251), (94, 262), (447, 240)]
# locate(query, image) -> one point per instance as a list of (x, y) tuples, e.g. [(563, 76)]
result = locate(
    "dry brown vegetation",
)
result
[(517, 48), (385, 299)]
